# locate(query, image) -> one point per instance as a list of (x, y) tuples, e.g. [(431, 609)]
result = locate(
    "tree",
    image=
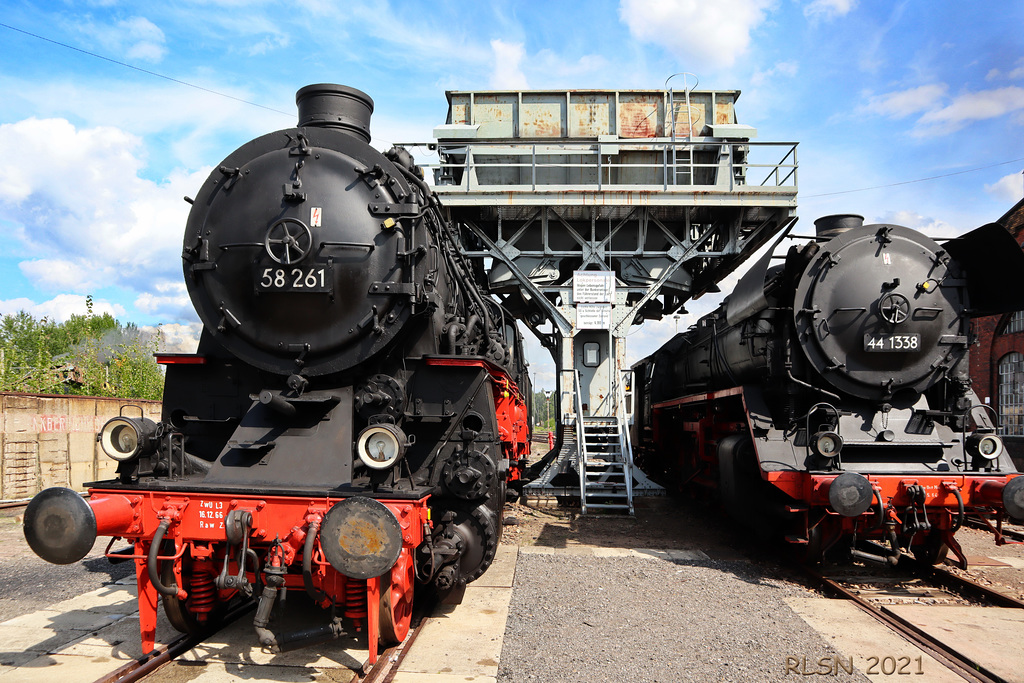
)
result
[(544, 409), (87, 355)]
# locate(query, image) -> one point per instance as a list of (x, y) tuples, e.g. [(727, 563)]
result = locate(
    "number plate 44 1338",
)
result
[(892, 342), (282, 278)]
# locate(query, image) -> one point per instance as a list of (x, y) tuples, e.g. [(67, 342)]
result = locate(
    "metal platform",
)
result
[(594, 210)]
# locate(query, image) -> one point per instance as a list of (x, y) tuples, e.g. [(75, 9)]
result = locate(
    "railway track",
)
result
[(1013, 533), (934, 585), (138, 669), (383, 671)]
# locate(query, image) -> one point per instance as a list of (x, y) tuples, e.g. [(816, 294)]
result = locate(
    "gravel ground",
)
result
[(29, 583), (611, 619)]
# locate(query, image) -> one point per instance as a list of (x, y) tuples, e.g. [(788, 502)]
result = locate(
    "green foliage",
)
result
[(87, 355), (544, 410)]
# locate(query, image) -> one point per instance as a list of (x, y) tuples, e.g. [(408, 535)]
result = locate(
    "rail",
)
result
[(713, 165), (957, 662)]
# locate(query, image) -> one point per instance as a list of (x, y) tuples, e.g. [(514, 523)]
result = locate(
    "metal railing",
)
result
[(625, 443), (581, 441), (747, 166)]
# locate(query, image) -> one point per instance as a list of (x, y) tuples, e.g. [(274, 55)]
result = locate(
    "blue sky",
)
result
[(95, 156)]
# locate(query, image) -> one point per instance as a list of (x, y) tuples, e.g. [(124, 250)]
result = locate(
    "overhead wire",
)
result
[(919, 180), (145, 71)]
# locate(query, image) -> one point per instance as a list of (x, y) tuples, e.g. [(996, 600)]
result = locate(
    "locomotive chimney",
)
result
[(335, 106), (828, 227)]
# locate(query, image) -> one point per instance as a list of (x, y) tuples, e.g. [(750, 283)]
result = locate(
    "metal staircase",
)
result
[(604, 459)]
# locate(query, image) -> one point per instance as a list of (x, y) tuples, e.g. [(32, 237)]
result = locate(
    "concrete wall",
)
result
[(51, 440)]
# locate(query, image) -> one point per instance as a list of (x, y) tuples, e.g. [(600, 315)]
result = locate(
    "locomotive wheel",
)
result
[(178, 613), (396, 592), (478, 529)]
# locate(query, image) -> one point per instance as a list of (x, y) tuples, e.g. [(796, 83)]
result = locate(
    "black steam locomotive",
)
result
[(829, 396), (352, 415)]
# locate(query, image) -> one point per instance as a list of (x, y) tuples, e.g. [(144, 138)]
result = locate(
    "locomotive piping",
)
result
[(307, 563), (431, 199), (152, 561)]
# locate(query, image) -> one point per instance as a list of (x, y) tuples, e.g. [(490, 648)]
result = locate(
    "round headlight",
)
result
[(124, 438), (380, 446), (986, 446), (827, 444)]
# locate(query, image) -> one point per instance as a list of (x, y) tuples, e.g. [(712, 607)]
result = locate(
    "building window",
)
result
[(1011, 394), (1016, 323)]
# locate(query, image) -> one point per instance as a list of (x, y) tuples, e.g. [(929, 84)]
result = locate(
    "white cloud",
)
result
[(1013, 74), (508, 72), (939, 115), (708, 34), (554, 67), (976, 106), (828, 9), (89, 219), (59, 308), (1009, 188), (932, 227), (168, 299), (64, 275), (176, 337), (134, 39), (193, 123), (906, 102), (269, 44), (786, 69)]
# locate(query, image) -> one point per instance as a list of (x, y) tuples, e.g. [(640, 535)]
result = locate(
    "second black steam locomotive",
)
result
[(352, 415), (829, 395)]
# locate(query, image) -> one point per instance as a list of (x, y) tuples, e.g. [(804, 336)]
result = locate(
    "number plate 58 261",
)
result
[(282, 278)]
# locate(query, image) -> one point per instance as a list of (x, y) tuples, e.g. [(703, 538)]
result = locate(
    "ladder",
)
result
[(682, 159), (604, 460)]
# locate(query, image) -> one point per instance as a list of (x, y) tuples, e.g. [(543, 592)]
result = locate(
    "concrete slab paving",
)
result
[(101, 632), (990, 636), (119, 641), (414, 677), (467, 640), (869, 643), (108, 599), (36, 639), (502, 571), (69, 620), (9, 660), (57, 667), (237, 645), (1014, 562), (594, 551), (463, 642)]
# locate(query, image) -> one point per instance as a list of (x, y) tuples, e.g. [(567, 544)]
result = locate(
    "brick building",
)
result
[(997, 361)]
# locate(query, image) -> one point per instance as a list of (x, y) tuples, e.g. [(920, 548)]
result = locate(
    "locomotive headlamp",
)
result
[(381, 445), (827, 444), (125, 438), (984, 446)]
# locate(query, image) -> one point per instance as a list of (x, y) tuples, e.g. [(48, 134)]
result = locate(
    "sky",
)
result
[(111, 112)]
